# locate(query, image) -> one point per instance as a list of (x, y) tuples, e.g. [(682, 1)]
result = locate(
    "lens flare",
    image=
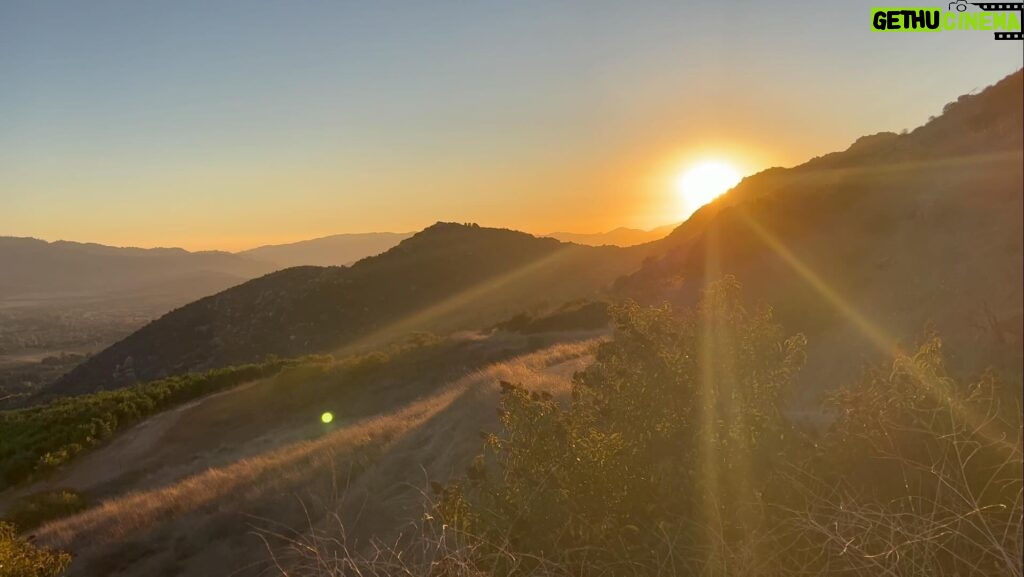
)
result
[(327, 417), (703, 182)]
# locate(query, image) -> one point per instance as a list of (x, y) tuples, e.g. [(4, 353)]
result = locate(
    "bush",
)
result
[(572, 317), (38, 439), (19, 558), (921, 474), (674, 457), (666, 440), (34, 510)]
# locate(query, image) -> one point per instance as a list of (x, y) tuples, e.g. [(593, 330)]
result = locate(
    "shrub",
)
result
[(19, 558), (34, 510), (41, 438), (921, 475), (664, 440), (674, 457)]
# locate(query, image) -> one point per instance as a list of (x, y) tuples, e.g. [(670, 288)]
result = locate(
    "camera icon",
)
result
[(961, 5)]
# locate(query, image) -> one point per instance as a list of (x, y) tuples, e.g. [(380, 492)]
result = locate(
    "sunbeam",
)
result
[(878, 337)]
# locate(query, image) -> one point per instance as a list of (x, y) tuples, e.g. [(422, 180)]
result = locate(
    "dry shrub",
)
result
[(19, 558), (920, 475), (923, 475)]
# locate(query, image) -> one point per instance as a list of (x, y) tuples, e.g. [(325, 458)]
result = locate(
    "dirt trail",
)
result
[(249, 420), (128, 456), (385, 454)]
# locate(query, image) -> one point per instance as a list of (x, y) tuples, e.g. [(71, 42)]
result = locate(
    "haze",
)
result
[(230, 125)]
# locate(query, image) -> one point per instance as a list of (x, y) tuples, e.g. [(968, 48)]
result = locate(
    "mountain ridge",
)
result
[(333, 250), (936, 212), (55, 269), (446, 277), (621, 236)]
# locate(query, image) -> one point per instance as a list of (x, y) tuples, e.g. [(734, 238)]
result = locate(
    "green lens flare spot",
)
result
[(327, 417)]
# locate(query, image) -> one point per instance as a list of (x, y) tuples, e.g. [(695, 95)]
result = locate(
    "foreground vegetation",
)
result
[(94, 418), (38, 439), (675, 456), (19, 558)]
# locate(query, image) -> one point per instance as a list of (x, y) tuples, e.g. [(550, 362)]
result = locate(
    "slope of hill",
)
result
[(334, 250), (37, 270), (867, 247), (60, 300), (204, 477), (621, 236), (446, 277)]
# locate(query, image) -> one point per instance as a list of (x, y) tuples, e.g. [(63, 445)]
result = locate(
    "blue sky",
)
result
[(231, 124)]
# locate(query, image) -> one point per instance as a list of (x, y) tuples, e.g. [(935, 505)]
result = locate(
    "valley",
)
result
[(818, 372)]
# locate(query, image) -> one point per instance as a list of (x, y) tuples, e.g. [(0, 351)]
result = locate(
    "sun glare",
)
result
[(703, 182)]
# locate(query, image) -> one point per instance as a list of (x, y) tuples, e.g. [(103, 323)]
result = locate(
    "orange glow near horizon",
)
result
[(651, 186)]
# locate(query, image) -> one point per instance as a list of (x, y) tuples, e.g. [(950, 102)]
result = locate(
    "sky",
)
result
[(231, 124)]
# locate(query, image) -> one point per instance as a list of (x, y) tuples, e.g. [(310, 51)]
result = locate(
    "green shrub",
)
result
[(19, 558), (34, 510), (665, 438), (674, 457), (37, 439)]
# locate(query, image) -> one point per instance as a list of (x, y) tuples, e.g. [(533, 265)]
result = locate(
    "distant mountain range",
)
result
[(447, 277), (335, 250), (621, 236), (37, 272)]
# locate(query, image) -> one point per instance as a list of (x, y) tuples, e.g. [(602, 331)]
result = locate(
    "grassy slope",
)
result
[(368, 467), (38, 439)]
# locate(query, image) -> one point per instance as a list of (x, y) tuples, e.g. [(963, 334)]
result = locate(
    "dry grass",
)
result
[(371, 461)]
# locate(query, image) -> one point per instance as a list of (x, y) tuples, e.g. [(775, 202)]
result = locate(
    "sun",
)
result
[(705, 181)]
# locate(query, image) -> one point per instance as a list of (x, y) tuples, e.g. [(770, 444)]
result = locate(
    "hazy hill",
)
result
[(36, 270), (448, 276), (334, 250), (874, 243), (621, 236)]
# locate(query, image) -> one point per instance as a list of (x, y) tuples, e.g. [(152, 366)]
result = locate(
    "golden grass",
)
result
[(353, 448)]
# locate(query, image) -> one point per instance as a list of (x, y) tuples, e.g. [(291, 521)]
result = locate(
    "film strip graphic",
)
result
[(1003, 7)]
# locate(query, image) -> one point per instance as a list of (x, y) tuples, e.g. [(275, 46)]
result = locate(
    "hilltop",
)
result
[(447, 277), (894, 234)]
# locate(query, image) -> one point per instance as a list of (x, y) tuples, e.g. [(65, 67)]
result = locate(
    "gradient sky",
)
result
[(216, 124)]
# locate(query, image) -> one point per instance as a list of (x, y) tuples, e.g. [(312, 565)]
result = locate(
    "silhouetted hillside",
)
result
[(37, 270), (448, 276), (878, 241), (334, 250), (621, 236), (975, 124)]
